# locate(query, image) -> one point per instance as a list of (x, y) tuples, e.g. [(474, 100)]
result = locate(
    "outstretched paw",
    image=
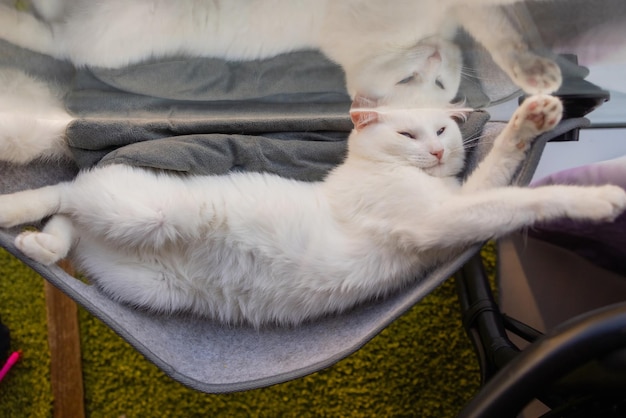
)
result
[(44, 248), (536, 115), (535, 74), (601, 204)]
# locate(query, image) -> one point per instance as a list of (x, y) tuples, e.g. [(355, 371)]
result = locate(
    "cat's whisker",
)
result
[(455, 149), (472, 76), (474, 144), (471, 147), (468, 70), (478, 141), (474, 139)]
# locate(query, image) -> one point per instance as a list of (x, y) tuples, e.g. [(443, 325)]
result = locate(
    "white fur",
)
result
[(32, 119), (257, 248)]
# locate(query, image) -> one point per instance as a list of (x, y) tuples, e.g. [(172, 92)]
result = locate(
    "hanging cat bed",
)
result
[(293, 122)]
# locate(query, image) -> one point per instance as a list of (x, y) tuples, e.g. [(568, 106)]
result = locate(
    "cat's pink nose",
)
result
[(438, 154)]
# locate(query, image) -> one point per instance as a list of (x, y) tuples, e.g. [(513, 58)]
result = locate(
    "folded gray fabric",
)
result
[(303, 155), (59, 73), (297, 77)]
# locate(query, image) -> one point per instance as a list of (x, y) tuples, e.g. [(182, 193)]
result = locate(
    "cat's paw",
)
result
[(536, 115), (600, 204), (535, 74), (44, 248)]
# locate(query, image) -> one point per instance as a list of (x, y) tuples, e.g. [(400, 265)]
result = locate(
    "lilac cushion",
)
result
[(604, 244)]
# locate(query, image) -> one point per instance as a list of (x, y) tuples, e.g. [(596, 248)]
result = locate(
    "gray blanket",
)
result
[(287, 115)]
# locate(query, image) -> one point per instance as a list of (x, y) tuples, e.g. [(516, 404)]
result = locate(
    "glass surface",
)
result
[(395, 53)]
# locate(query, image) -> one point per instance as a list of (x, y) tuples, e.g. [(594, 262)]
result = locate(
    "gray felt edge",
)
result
[(403, 302)]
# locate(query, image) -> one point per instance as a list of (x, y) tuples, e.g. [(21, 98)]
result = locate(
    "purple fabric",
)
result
[(604, 244)]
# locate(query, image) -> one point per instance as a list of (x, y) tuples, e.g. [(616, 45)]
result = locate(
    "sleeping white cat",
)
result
[(388, 49), (257, 248)]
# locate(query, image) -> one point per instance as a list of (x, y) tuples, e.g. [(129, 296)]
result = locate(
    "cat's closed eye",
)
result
[(407, 134), (441, 131), (407, 80), (439, 84)]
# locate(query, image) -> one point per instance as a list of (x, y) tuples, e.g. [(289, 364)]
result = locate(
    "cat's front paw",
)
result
[(44, 248), (536, 115), (600, 204), (535, 74)]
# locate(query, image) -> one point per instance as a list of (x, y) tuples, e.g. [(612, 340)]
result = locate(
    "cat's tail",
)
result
[(33, 119)]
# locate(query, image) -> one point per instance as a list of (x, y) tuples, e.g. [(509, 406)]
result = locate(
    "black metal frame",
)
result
[(577, 369)]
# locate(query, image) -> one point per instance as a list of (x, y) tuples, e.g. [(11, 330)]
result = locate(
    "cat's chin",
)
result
[(440, 170), (433, 169)]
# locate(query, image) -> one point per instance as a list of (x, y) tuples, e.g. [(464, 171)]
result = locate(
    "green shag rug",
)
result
[(420, 366)]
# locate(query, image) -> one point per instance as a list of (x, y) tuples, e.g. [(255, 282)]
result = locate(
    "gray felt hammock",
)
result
[(286, 115)]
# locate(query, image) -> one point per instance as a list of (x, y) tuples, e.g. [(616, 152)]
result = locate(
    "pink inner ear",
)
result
[(362, 118)]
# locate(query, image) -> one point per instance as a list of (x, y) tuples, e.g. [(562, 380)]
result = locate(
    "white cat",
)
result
[(257, 248), (388, 49)]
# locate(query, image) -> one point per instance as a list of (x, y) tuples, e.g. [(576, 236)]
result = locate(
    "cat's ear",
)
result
[(362, 111), (363, 117), (460, 115)]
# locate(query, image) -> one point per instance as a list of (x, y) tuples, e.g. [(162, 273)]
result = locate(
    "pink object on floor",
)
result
[(13, 358)]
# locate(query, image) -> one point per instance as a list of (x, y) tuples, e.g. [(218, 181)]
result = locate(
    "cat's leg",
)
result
[(142, 282), (33, 119), (29, 205), (50, 245), (491, 27), (467, 219), (536, 115), (137, 208)]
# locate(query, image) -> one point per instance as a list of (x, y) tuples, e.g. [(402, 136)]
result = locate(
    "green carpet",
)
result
[(420, 366)]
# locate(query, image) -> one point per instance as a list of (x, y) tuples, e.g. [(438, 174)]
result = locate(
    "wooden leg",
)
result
[(64, 340)]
